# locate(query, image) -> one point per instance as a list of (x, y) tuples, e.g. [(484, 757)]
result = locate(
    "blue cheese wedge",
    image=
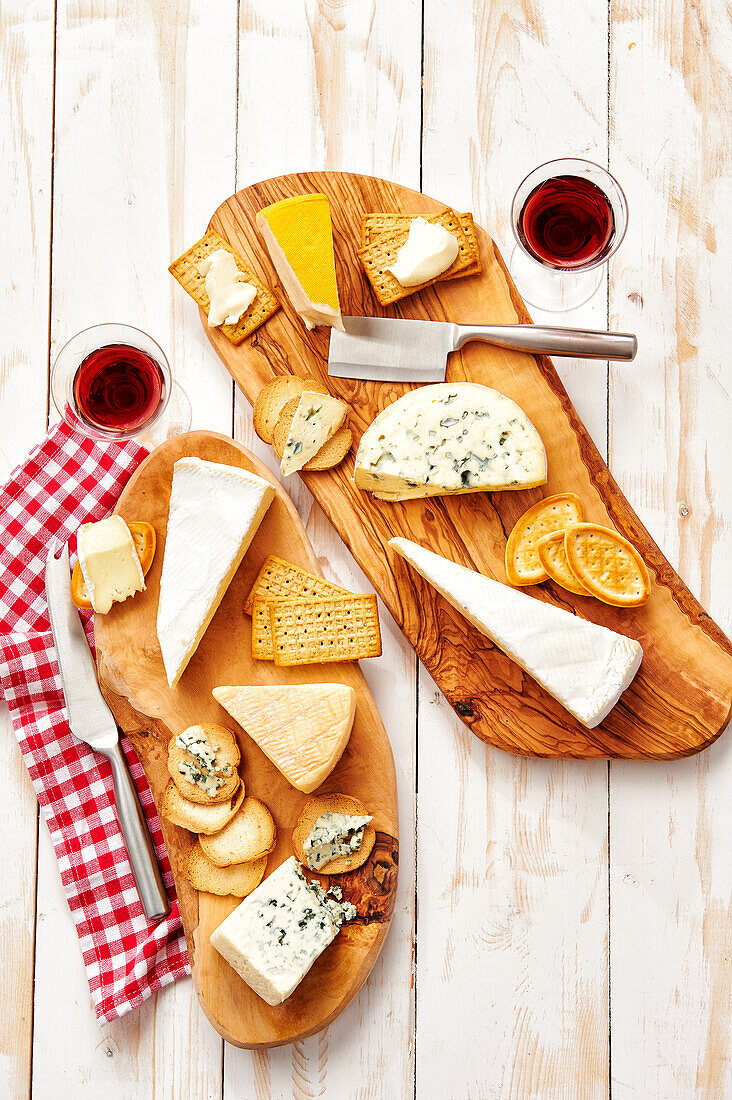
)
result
[(585, 667), (273, 938), (109, 562), (203, 770), (334, 835), (317, 418), (453, 437)]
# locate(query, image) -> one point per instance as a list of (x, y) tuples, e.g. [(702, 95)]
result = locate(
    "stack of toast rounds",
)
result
[(274, 409), (551, 541)]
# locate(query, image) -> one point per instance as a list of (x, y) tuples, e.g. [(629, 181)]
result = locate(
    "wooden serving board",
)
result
[(134, 684), (681, 699)]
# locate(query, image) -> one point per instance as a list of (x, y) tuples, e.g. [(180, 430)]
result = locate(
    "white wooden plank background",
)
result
[(572, 936)]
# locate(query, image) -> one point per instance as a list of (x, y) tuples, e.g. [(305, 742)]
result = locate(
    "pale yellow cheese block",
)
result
[(303, 729)]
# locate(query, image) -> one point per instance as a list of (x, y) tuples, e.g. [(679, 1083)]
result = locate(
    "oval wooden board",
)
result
[(681, 699), (133, 681)]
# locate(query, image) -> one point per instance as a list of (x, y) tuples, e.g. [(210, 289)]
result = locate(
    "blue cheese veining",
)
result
[(317, 418), (273, 938), (454, 437), (203, 770), (334, 835)]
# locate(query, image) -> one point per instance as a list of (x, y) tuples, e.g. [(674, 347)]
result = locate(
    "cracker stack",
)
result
[(299, 618), (382, 235)]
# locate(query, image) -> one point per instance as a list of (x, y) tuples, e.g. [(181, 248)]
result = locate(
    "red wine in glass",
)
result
[(567, 222), (118, 388)]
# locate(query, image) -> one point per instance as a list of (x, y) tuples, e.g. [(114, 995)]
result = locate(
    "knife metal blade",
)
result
[(91, 721), (90, 718), (389, 349)]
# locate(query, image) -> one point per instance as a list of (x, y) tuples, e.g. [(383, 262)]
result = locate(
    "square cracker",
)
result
[(320, 631), (382, 251), (374, 225), (185, 270), (281, 580)]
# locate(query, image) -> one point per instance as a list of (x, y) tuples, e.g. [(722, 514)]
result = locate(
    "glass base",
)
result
[(555, 291), (176, 420)]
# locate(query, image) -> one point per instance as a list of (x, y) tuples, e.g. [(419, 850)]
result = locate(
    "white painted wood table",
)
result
[(562, 929)]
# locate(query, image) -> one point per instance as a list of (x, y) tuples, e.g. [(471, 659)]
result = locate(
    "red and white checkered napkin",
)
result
[(64, 481)]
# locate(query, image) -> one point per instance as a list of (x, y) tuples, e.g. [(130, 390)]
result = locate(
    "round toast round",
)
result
[(333, 804), (553, 557), (272, 398), (228, 757), (238, 880), (249, 835), (198, 817), (607, 565), (554, 513)]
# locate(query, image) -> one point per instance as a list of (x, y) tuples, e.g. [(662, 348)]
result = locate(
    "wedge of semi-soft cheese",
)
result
[(214, 513), (452, 437), (584, 666), (317, 418), (302, 728), (273, 938), (299, 236)]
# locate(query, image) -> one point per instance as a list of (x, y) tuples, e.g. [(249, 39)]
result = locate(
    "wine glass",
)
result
[(569, 217), (113, 381)]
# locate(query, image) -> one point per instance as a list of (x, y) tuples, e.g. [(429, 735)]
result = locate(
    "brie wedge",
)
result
[(215, 511), (453, 437), (584, 666)]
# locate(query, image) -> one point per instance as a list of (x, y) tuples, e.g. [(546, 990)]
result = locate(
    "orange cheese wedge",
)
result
[(144, 538), (553, 558), (608, 566), (523, 565)]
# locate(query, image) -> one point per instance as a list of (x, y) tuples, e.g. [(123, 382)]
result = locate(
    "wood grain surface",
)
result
[(550, 891), (681, 699), (135, 685)]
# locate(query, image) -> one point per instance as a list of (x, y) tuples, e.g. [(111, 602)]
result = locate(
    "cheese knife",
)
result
[(390, 349), (91, 721)]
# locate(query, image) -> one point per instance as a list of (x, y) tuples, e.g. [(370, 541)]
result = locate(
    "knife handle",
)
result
[(580, 343), (137, 838)]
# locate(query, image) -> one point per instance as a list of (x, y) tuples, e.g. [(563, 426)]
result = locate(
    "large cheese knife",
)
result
[(390, 349), (91, 721)]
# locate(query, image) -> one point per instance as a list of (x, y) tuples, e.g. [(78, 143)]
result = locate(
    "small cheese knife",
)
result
[(92, 721), (390, 349)]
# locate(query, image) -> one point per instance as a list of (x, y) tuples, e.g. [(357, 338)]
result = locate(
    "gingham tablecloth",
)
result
[(65, 481)]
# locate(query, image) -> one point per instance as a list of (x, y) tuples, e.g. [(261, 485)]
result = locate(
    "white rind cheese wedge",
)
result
[(317, 418), (109, 563), (273, 938), (453, 437), (584, 666), (302, 728), (215, 511)]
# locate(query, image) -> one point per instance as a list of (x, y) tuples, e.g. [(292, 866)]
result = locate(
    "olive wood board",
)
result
[(134, 684), (680, 701)]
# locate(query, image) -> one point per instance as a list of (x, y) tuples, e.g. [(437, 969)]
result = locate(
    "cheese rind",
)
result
[(448, 438), (317, 418), (214, 513), (299, 236), (302, 728), (585, 667), (109, 563), (273, 938)]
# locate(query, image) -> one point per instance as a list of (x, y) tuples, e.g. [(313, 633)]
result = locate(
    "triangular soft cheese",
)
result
[(214, 513), (585, 667), (303, 729)]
